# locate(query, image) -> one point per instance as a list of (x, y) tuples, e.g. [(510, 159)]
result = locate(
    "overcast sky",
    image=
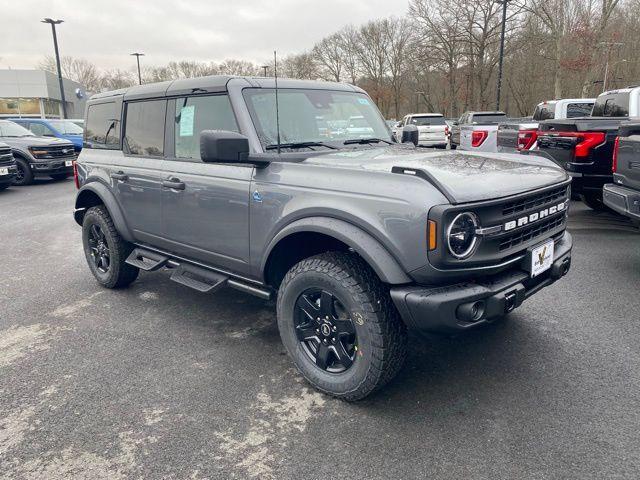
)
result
[(107, 31)]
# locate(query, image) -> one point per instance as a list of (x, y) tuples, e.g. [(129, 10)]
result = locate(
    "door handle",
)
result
[(173, 183), (120, 176)]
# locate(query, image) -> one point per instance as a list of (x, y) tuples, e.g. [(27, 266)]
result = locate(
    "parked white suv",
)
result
[(433, 131)]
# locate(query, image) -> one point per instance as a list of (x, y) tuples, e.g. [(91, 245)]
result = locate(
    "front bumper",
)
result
[(8, 179), (52, 167), (622, 199), (461, 306)]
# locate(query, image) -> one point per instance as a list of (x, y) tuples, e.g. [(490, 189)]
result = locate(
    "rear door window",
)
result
[(41, 130), (579, 110), (195, 114), (103, 126), (144, 128)]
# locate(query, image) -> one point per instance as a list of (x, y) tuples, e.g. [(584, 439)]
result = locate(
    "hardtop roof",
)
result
[(216, 84)]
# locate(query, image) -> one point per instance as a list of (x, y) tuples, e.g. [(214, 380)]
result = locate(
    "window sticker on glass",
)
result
[(187, 115), (363, 101)]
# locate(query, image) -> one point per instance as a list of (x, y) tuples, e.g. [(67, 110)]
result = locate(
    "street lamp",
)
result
[(138, 55), (55, 47), (501, 58), (264, 69)]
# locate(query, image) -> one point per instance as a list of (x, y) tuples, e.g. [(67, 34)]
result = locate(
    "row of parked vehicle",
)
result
[(594, 139), (33, 147)]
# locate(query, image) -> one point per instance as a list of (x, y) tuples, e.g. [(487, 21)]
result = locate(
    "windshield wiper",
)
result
[(300, 145), (364, 141)]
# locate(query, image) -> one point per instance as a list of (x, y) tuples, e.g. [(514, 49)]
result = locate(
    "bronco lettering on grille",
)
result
[(533, 217)]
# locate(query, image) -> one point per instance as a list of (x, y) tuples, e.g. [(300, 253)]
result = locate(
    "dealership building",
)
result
[(36, 94)]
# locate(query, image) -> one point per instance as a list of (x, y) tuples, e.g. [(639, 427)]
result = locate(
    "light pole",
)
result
[(138, 55), (606, 66), (55, 47), (264, 69), (418, 101), (501, 58)]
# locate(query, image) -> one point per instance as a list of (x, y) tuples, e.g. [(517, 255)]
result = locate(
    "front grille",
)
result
[(6, 158), (534, 201), (55, 152), (532, 232)]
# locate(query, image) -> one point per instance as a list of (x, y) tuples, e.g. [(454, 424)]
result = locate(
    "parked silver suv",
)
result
[(357, 236)]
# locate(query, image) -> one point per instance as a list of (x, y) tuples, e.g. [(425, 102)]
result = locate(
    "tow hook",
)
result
[(509, 301)]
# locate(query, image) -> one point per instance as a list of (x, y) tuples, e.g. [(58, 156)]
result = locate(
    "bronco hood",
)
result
[(460, 176), (34, 141)]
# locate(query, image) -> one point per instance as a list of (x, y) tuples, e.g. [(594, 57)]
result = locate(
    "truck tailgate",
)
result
[(628, 168)]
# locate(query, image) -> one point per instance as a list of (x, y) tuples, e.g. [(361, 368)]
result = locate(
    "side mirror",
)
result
[(223, 146), (410, 134)]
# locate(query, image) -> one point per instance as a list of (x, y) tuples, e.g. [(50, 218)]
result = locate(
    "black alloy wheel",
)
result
[(325, 330), (99, 248)]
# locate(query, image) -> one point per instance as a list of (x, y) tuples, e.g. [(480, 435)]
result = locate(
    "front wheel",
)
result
[(105, 250), (24, 175), (339, 325)]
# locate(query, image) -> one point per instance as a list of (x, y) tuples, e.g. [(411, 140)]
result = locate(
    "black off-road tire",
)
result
[(593, 201), (119, 274), (381, 334), (25, 175), (453, 146), (60, 176)]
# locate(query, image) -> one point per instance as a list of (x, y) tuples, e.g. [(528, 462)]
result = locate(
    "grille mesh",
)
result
[(534, 201), (532, 232)]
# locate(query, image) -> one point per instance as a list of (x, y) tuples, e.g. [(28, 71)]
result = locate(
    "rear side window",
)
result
[(102, 126), (545, 111), (579, 110), (41, 130), (612, 105), (195, 114), (144, 128)]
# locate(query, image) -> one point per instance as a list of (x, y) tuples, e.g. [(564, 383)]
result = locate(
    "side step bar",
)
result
[(198, 278), (192, 276), (146, 260)]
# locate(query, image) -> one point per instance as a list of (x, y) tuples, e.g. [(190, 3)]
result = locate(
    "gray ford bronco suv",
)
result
[(358, 237)]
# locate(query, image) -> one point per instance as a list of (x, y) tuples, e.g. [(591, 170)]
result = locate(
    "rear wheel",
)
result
[(24, 174), (105, 250), (593, 201), (60, 176), (339, 325)]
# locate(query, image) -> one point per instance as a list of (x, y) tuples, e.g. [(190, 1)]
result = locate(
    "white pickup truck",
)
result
[(433, 130), (476, 131), (522, 134)]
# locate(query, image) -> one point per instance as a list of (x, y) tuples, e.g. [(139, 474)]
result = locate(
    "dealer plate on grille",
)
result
[(4, 171), (542, 258), (68, 163)]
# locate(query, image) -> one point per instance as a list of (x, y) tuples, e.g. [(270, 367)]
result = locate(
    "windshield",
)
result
[(321, 116), (425, 121), (11, 129), (66, 127)]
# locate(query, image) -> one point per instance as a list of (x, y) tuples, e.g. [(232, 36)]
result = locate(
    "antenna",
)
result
[(275, 75)]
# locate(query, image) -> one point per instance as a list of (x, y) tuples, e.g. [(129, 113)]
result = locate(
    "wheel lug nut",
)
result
[(334, 328), (325, 341), (333, 340), (317, 330)]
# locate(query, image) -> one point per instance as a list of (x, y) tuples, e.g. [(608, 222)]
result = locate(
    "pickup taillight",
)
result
[(478, 137), (616, 147), (585, 141), (526, 139), (446, 130)]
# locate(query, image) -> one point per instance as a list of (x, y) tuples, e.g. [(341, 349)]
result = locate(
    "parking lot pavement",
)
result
[(159, 381)]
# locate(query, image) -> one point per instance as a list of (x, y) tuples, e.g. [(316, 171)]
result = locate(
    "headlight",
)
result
[(461, 235)]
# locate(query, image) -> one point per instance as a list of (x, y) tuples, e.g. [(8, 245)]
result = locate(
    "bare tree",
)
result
[(328, 53), (76, 69)]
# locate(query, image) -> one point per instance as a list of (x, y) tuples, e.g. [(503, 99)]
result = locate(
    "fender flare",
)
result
[(109, 201), (371, 250)]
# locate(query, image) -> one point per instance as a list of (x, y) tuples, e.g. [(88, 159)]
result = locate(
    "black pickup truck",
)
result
[(623, 195), (584, 146)]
